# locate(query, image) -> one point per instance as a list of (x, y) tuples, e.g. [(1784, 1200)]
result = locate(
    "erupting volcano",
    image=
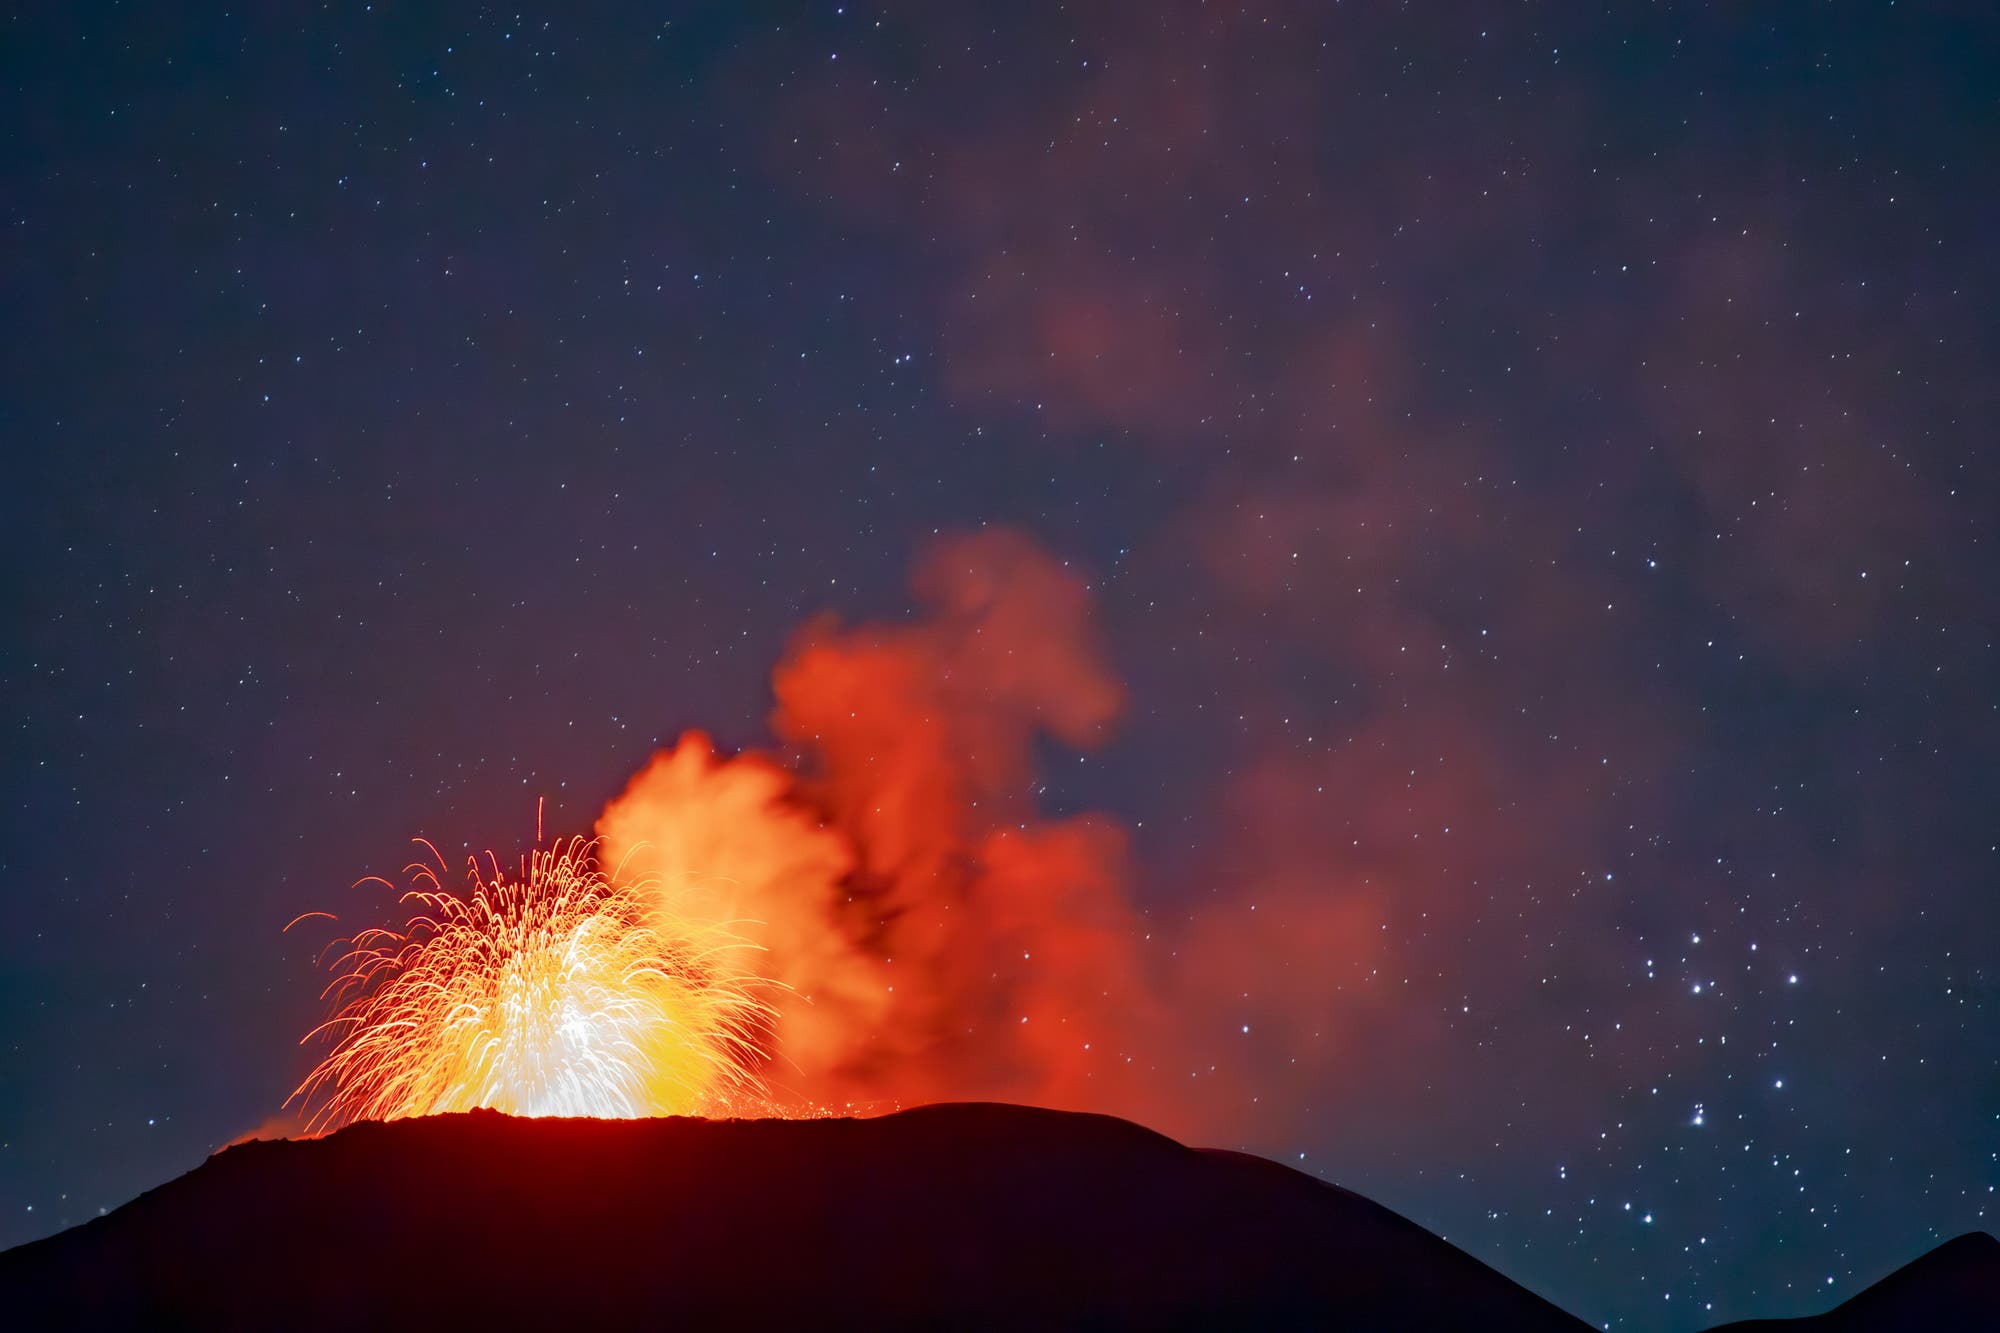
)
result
[(872, 912)]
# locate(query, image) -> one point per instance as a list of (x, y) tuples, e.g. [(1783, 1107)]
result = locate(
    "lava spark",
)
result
[(555, 992)]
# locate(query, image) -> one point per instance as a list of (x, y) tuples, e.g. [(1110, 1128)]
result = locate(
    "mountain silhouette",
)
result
[(1955, 1286), (960, 1215)]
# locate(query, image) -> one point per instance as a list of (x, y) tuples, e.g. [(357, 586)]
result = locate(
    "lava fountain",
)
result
[(557, 991)]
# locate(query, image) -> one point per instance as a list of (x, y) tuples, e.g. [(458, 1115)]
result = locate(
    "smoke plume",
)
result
[(936, 936)]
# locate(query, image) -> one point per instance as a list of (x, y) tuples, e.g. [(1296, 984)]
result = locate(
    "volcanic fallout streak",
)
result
[(875, 915)]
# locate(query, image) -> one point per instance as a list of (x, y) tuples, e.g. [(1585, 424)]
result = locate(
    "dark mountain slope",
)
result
[(958, 1215), (1955, 1286)]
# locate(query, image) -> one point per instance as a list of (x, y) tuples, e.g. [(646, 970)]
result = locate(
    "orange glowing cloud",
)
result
[(932, 936), (879, 908)]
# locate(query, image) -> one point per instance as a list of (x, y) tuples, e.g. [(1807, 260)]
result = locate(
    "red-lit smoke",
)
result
[(876, 912), (937, 937)]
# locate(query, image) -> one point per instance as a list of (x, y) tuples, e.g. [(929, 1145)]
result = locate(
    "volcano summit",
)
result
[(960, 1215)]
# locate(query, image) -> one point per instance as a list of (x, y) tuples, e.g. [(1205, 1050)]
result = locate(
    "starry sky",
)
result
[(1528, 467)]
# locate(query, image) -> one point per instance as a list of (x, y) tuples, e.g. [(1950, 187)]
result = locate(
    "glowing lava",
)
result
[(557, 992)]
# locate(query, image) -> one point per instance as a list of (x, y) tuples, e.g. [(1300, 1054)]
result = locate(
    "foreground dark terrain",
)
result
[(961, 1215), (955, 1215), (1955, 1286)]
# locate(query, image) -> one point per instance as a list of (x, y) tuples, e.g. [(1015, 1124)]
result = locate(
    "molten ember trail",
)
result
[(558, 992)]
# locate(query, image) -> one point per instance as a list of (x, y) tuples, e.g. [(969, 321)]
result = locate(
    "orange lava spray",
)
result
[(560, 991)]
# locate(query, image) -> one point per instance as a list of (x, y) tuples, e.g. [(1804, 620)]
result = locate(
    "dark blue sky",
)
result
[(1531, 467)]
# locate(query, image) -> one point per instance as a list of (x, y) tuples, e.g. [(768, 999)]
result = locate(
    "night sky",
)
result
[(1529, 469)]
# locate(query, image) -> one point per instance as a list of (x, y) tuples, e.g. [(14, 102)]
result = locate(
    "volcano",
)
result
[(960, 1215)]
